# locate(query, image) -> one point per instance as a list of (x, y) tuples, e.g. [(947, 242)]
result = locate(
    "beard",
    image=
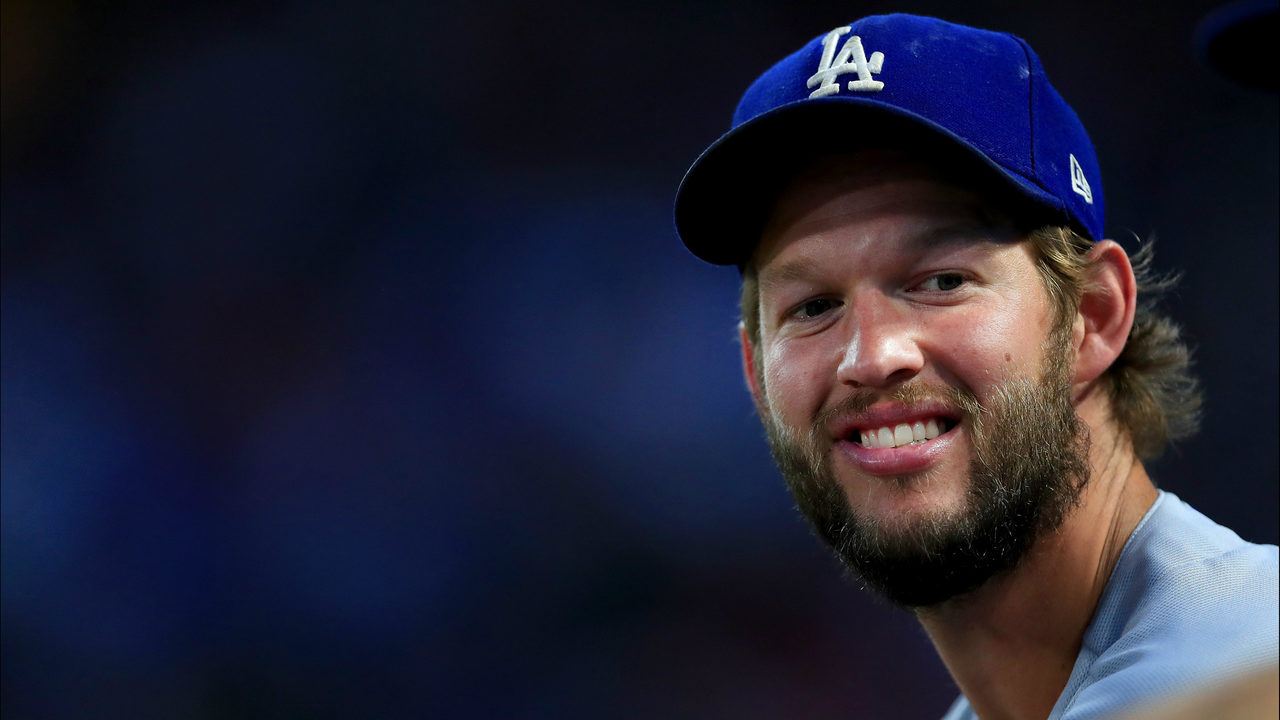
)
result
[(1029, 461)]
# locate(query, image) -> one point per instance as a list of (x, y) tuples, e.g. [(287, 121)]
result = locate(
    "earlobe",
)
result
[(749, 369), (1106, 311)]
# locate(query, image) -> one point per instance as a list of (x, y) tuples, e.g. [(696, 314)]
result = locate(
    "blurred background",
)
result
[(352, 368)]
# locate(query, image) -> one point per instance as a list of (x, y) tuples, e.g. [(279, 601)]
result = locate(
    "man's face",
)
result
[(916, 394)]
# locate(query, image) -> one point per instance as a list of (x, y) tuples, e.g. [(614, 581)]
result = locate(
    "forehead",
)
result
[(899, 198)]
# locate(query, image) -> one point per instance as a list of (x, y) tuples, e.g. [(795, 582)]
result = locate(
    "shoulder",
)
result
[(960, 710), (1189, 603), (1182, 575)]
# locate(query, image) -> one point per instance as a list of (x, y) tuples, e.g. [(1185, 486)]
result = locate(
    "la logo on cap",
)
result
[(852, 59)]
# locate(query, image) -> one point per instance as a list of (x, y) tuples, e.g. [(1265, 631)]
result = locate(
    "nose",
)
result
[(883, 349)]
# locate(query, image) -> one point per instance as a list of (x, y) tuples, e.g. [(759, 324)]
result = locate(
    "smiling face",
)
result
[(912, 378)]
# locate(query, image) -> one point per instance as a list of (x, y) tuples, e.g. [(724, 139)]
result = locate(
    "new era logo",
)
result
[(1079, 184), (851, 59)]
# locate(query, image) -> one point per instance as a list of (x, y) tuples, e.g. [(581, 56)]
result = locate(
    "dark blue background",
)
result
[(351, 366)]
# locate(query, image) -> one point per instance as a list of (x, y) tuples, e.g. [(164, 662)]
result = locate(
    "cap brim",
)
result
[(727, 195)]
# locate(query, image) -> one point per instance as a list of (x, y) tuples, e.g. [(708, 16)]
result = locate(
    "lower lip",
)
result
[(903, 460)]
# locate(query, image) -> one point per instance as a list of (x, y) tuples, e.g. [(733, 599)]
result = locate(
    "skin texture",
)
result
[(886, 293)]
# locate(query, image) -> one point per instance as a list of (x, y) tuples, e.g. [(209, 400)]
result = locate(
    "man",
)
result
[(958, 378)]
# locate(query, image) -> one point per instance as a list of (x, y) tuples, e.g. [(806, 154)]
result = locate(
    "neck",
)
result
[(1012, 643)]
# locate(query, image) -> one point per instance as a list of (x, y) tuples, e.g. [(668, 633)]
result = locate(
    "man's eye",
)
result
[(942, 282), (814, 308)]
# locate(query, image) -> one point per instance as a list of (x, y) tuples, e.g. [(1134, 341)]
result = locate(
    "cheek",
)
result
[(1006, 334), (1005, 342), (796, 379), (995, 344)]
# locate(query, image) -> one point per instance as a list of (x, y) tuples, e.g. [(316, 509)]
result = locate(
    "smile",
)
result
[(916, 433)]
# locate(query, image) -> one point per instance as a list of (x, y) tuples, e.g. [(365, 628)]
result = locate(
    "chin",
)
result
[(898, 503)]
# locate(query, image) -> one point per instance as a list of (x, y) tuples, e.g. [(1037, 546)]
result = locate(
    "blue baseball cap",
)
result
[(977, 101)]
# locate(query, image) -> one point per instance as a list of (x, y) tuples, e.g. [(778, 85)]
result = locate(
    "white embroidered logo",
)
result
[(852, 59), (1079, 184)]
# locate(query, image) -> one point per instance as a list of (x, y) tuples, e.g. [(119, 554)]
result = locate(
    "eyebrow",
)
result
[(798, 270), (968, 230)]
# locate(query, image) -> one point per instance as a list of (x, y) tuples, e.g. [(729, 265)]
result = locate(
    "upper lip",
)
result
[(889, 414)]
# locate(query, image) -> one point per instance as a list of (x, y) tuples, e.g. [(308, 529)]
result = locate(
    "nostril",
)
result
[(880, 356)]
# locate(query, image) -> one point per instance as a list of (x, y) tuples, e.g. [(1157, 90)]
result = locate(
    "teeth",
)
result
[(900, 435)]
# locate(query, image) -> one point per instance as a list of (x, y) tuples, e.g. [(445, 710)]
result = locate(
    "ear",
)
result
[(1106, 311), (749, 368)]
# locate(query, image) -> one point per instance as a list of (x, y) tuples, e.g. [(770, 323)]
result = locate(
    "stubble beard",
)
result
[(1029, 462)]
